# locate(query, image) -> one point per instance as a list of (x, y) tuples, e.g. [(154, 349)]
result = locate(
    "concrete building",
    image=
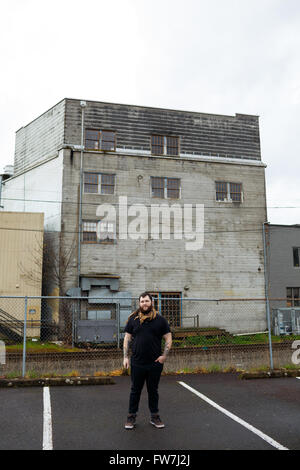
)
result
[(284, 265), (79, 156), (21, 257)]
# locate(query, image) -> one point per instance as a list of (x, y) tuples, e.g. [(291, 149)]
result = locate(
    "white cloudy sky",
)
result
[(215, 56)]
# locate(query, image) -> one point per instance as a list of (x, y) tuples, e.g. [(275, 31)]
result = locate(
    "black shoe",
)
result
[(130, 423), (156, 421)]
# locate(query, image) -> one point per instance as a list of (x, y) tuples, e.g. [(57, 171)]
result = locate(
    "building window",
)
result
[(100, 140), (168, 304), (292, 294), (98, 232), (229, 192), (296, 257), (164, 145), (89, 232), (166, 188), (99, 183)]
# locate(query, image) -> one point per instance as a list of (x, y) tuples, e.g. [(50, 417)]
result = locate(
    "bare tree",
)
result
[(51, 261)]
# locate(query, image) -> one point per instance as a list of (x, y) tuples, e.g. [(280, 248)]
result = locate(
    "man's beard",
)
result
[(146, 311)]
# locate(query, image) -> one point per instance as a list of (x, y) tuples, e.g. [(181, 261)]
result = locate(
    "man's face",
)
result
[(145, 304)]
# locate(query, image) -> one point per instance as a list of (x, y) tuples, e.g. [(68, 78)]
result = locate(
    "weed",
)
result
[(214, 368), (73, 373), (31, 374)]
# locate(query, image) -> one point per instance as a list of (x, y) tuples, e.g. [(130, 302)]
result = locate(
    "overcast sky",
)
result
[(213, 56)]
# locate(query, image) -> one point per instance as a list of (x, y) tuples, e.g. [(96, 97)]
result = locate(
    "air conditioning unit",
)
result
[(286, 321)]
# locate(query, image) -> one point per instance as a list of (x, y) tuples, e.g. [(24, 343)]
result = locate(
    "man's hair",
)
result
[(145, 294)]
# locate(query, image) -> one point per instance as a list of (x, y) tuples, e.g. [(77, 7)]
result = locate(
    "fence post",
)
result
[(118, 324), (267, 300), (24, 339)]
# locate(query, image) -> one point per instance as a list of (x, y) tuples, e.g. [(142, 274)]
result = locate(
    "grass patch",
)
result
[(38, 346), (291, 367), (202, 341)]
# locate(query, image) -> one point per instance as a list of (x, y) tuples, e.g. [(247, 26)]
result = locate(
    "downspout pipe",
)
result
[(83, 105), (267, 296)]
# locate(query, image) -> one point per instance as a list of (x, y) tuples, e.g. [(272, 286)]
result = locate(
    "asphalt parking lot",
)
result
[(201, 412)]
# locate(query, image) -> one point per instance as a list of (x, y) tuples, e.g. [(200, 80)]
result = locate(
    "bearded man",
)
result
[(146, 328)]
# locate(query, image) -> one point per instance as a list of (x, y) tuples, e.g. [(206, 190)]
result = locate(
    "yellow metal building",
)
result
[(21, 259)]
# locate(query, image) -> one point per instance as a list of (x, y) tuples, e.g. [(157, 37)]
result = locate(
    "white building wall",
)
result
[(37, 190)]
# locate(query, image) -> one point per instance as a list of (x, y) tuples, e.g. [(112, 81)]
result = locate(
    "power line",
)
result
[(186, 201), (140, 232)]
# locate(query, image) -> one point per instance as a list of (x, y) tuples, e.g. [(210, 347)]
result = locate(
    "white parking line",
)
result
[(47, 427), (236, 418)]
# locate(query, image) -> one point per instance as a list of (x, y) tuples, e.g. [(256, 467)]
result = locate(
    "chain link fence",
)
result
[(60, 336)]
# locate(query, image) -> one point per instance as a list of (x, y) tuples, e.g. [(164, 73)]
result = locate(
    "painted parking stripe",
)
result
[(47, 427), (236, 418)]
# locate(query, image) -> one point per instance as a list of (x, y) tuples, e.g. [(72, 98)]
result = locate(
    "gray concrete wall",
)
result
[(40, 139), (282, 273), (209, 134), (230, 264)]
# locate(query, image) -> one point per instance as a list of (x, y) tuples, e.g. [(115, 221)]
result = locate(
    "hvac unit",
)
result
[(286, 321)]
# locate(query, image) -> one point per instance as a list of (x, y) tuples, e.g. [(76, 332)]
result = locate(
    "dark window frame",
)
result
[(95, 240), (230, 192), (99, 184), (165, 189), (162, 305), (165, 143), (296, 256), (99, 134), (293, 296)]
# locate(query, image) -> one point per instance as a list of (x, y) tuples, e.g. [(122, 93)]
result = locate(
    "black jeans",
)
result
[(139, 374)]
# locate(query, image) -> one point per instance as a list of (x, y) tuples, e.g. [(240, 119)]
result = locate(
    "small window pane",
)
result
[(173, 186), (92, 144), (296, 252), (89, 232), (158, 185), (106, 189), (107, 232), (91, 134), (90, 237), (90, 183), (221, 191), (235, 192), (157, 143), (92, 139), (108, 140), (107, 184), (172, 146)]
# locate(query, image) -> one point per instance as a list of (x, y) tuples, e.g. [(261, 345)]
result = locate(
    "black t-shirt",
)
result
[(146, 346)]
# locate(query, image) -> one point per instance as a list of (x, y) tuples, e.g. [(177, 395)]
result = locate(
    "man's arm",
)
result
[(126, 343), (168, 343)]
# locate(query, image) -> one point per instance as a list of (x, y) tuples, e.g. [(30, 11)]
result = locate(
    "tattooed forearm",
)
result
[(167, 346), (166, 350), (126, 347)]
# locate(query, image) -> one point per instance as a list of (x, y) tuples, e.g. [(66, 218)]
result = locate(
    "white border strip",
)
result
[(47, 428), (236, 418)]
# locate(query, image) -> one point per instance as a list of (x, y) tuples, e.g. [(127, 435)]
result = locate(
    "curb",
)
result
[(272, 374), (56, 381)]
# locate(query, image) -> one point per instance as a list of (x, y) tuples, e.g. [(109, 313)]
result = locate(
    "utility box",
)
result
[(97, 331), (286, 321)]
